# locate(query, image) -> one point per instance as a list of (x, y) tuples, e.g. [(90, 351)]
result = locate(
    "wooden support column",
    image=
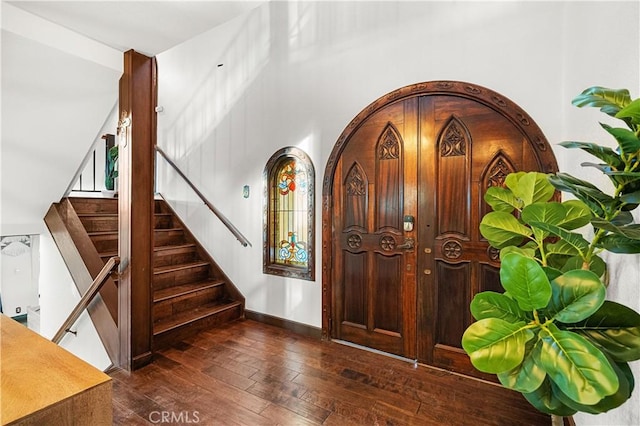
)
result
[(137, 140)]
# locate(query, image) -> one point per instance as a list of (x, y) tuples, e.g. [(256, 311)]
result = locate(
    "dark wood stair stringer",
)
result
[(190, 291), (84, 264)]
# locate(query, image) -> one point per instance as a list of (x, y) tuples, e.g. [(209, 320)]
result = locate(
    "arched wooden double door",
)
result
[(402, 202)]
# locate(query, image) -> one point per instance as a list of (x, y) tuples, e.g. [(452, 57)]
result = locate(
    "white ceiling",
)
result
[(149, 27)]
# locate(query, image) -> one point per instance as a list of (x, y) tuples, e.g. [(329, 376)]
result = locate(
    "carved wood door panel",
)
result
[(374, 187), (465, 148), (429, 151)]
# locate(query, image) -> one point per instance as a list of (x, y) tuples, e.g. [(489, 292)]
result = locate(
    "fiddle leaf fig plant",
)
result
[(111, 171), (552, 335)]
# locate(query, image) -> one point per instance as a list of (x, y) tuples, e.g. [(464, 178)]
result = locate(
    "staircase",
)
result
[(190, 292)]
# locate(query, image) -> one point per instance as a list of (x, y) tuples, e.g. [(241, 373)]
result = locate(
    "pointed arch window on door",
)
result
[(289, 226)]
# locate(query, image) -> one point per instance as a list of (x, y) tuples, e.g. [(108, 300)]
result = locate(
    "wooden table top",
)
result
[(36, 373)]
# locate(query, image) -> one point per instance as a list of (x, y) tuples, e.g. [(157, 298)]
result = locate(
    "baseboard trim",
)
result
[(141, 360), (293, 326)]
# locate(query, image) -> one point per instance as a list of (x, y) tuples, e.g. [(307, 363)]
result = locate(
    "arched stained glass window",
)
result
[(289, 215)]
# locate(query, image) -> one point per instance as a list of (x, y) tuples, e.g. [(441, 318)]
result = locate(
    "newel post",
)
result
[(136, 140)]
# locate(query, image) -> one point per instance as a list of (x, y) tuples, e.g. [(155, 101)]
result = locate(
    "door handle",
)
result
[(409, 244)]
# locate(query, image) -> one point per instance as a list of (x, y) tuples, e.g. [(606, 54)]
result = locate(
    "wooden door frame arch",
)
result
[(499, 103)]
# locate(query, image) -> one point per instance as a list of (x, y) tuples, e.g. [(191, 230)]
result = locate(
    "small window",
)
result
[(288, 218)]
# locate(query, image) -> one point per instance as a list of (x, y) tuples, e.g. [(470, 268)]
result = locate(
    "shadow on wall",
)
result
[(216, 95), (284, 31)]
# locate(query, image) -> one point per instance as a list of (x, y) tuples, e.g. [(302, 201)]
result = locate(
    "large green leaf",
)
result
[(625, 378), (572, 238), (630, 231), (566, 180), (525, 280), (629, 182), (631, 197), (575, 296), (551, 273), (577, 214), (557, 262), (533, 187), (562, 247), (598, 201), (546, 401), (501, 199), (596, 265), (623, 218), (553, 213), (495, 345), (524, 250), (627, 140), (619, 244), (528, 376), (489, 304), (610, 101), (576, 366), (604, 168), (503, 229), (604, 153), (615, 328), (631, 112), (512, 179)]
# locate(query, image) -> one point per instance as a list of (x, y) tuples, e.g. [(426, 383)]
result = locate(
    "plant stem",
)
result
[(557, 420)]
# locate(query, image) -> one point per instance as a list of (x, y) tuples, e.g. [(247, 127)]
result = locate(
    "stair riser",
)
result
[(174, 257), (192, 328), (167, 238), (98, 205), (99, 224), (105, 243), (176, 305), (163, 222), (185, 276)]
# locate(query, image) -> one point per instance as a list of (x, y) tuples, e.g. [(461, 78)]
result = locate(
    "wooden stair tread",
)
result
[(98, 214), (174, 247), (172, 268), (102, 233), (192, 315), (167, 229), (183, 289)]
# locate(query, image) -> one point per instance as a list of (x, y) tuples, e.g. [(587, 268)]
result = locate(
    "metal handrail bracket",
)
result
[(241, 238), (85, 300)]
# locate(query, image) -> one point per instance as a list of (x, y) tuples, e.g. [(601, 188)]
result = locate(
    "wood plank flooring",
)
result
[(249, 373)]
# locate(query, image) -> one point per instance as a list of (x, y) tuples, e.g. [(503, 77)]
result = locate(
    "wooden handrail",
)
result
[(87, 298), (243, 240)]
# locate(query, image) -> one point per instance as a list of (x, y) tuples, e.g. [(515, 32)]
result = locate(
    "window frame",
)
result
[(270, 246)]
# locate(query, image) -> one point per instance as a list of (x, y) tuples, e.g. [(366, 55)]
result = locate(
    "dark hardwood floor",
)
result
[(249, 373)]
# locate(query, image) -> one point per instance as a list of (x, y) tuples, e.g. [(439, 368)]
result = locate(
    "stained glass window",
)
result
[(288, 218)]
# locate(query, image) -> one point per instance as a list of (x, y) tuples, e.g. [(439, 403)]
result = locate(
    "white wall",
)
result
[(58, 88), (297, 73), (53, 107), (58, 297)]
